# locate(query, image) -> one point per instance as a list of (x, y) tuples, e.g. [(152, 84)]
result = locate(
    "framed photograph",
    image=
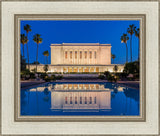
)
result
[(80, 67)]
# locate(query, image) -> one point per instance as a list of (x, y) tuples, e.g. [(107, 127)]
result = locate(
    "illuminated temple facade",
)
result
[(80, 57)]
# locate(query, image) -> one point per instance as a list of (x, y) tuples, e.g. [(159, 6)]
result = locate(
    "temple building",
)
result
[(80, 57)]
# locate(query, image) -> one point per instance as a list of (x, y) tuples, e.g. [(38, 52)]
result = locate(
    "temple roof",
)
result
[(80, 44)]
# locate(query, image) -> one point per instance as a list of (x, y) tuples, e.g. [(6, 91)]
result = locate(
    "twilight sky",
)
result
[(80, 32)]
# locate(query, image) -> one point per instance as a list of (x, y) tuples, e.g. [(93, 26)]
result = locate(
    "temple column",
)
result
[(68, 56), (98, 57), (83, 57), (95, 58), (62, 70), (73, 57), (88, 57), (84, 60), (78, 56), (64, 57), (92, 57)]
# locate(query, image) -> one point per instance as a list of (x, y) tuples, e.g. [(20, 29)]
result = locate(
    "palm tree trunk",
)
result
[(44, 59), (28, 57), (23, 51), (37, 58), (138, 48), (47, 59), (28, 53), (126, 53), (131, 47)]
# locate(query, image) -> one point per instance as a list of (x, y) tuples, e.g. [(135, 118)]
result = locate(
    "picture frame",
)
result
[(16, 119), (18, 18)]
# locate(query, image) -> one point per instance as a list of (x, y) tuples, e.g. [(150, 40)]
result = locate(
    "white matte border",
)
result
[(11, 127)]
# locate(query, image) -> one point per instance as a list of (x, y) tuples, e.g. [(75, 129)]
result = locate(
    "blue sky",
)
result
[(80, 32)]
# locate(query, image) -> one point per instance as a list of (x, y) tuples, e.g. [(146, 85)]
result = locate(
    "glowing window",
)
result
[(85, 100), (66, 54), (80, 100), (65, 100), (70, 100), (95, 55), (97, 69), (85, 54), (70, 54), (94, 100), (75, 100), (80, 54), (90, 55), (75, 54), (90, 100)]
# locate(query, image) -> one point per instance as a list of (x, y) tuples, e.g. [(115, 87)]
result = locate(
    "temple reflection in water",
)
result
[(80, 99), (84, 97)]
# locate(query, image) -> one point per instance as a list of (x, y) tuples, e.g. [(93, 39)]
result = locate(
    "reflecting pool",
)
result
[(83, 99)]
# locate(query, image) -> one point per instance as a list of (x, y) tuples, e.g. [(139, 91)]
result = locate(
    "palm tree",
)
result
[(23, 40), (46, 54), (136, 31), (115, 68), (113, 57), (124, 39), (45, 68), (130, 30), (37, 39), (27, 28)]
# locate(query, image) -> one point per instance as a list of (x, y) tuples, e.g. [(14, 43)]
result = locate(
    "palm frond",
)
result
[(23, 39), (27, 28), (131, 28), (124, 38), (37, 39)]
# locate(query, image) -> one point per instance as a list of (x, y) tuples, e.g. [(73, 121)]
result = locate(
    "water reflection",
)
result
[(80, 99), (88, 97)]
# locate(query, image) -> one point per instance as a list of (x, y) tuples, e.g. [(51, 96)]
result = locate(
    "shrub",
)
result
[(52, 78), (59, 77), (32, 76), (106, 73), (45, 68), (43, 75), (101, 77), (34, 70), (110, 78), (25, 74), (47, 79), (115, 69), (131, 68), (116, 78)]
